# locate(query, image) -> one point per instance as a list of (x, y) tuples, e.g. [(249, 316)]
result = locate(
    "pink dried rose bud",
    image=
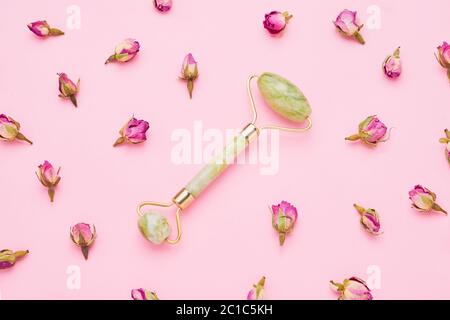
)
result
[(43, 30), (370, 220), (424, 200), (8, 258), (276, 21), (48, 177), (392, 65), (443, 57), (189, 72), (446, 141), (163, 5), (134, 131), (68, 89), (143, 294), (83, 235), (284, 216), (10, 130), (348, 25), (352, 289), (257, 291), (125, 51), (371, 131)]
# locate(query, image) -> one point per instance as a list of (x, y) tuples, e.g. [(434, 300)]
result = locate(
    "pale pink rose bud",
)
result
[(348, 25), (392, 66), (134, 132), (68, 89), (443, 55), (284, 216), (372, 131), (8, 258), (352, 289), (43, 30), (83, 235), (276, 21), (10, 130), (257, 291), (143, 294), (446, 141), (125, 51), (370, 220), (424, 200), (189, 72), (48, 177), (163, 5)]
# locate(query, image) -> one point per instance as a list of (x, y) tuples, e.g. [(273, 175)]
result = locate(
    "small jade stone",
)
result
[(284, 97), (154, 227)]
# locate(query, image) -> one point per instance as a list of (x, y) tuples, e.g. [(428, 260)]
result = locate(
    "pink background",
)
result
[(228, 241)]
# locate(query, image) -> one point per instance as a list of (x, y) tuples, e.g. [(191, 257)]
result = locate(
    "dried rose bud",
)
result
[(424, 200), (43, 30), (68, 89), (284, 217), (10, 129), (134, 132), (352, 289), (276, 21), (143, 294), (446, 141), (370, 220), (348, 25), (154, 227), (189, 72), (443, 57), (48, 177), (257, 291), (8, 258), (83, 235), (163, 5), (125, 51), (371, 131), (392, 66)]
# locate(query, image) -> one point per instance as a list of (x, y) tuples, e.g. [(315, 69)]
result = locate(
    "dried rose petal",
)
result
[(133, 132), (83, 235), (48, 177), (372, 131), (256, 293), (348, 25)]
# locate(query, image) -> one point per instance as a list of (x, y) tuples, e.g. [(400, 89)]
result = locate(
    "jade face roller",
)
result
[(284, 98)]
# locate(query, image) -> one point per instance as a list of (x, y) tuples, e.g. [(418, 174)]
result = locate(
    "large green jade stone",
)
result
[(284, 97)]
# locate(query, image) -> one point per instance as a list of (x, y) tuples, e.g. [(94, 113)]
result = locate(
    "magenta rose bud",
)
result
[(257, 291), (424, 200), (48, 177), (348, 25), (143, 294), (189, 72), (10, 130), (276, 21), (125, 51), (370, 220), (446, 141), (392, 66), (163, 5), (371, 131), (133, 132), (8, 258), (352, 289), (68, 89), (443, 57), (284, 216), (43, 30), (83, 235)]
